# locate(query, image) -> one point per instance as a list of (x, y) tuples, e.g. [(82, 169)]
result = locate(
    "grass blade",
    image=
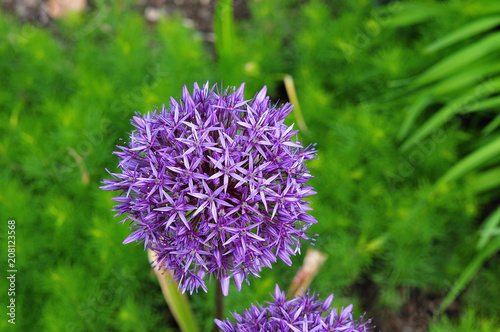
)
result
[(415, 110), (469, 272), (494, 124), (460, 59), (466, 78), (472, 29), (487, 180), (292, 96), (224, 29), (459, 105), (414, 13), (484, 7), (486, 104), (490, 229), (177, 302), (472, 161)]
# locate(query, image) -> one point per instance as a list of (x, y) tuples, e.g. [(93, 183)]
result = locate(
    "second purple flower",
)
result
[(215, 185)]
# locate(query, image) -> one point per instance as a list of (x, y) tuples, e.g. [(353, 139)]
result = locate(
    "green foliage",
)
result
[(470, 321), (486, 253), (401, 179), (464, 85)]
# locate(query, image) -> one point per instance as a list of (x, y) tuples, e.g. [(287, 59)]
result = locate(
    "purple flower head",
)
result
[(304, 313), (215, 185)]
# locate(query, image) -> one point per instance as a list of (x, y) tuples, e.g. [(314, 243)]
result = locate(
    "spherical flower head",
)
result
[(304, 313), (215, 185)]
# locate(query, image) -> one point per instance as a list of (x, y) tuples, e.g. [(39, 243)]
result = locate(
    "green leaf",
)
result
[(456, 106), (472, 161), (494, 124), (460, 59), (414, 13), (224, 29), (467, 77), (415, 110), (177, 302), (484, 7), (487, 180), (472, 29), (469, 272), (490, 228), (486, 104)]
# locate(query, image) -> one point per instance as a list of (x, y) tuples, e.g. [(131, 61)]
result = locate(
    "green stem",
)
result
[(219, 304)]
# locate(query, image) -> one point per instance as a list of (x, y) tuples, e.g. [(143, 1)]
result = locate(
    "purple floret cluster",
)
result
[(215, 185), (300, 314)]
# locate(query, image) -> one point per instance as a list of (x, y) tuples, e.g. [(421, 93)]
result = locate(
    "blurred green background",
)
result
[(401, 97)]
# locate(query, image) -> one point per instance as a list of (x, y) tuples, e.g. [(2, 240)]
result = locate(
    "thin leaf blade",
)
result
[(469, 30), (460, 59), (456, 106), (176, 301), (472, 161), (469, 273), (489, 229)]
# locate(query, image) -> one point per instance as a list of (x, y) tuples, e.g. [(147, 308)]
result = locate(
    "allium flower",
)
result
[(304, 313), (215, 185)]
